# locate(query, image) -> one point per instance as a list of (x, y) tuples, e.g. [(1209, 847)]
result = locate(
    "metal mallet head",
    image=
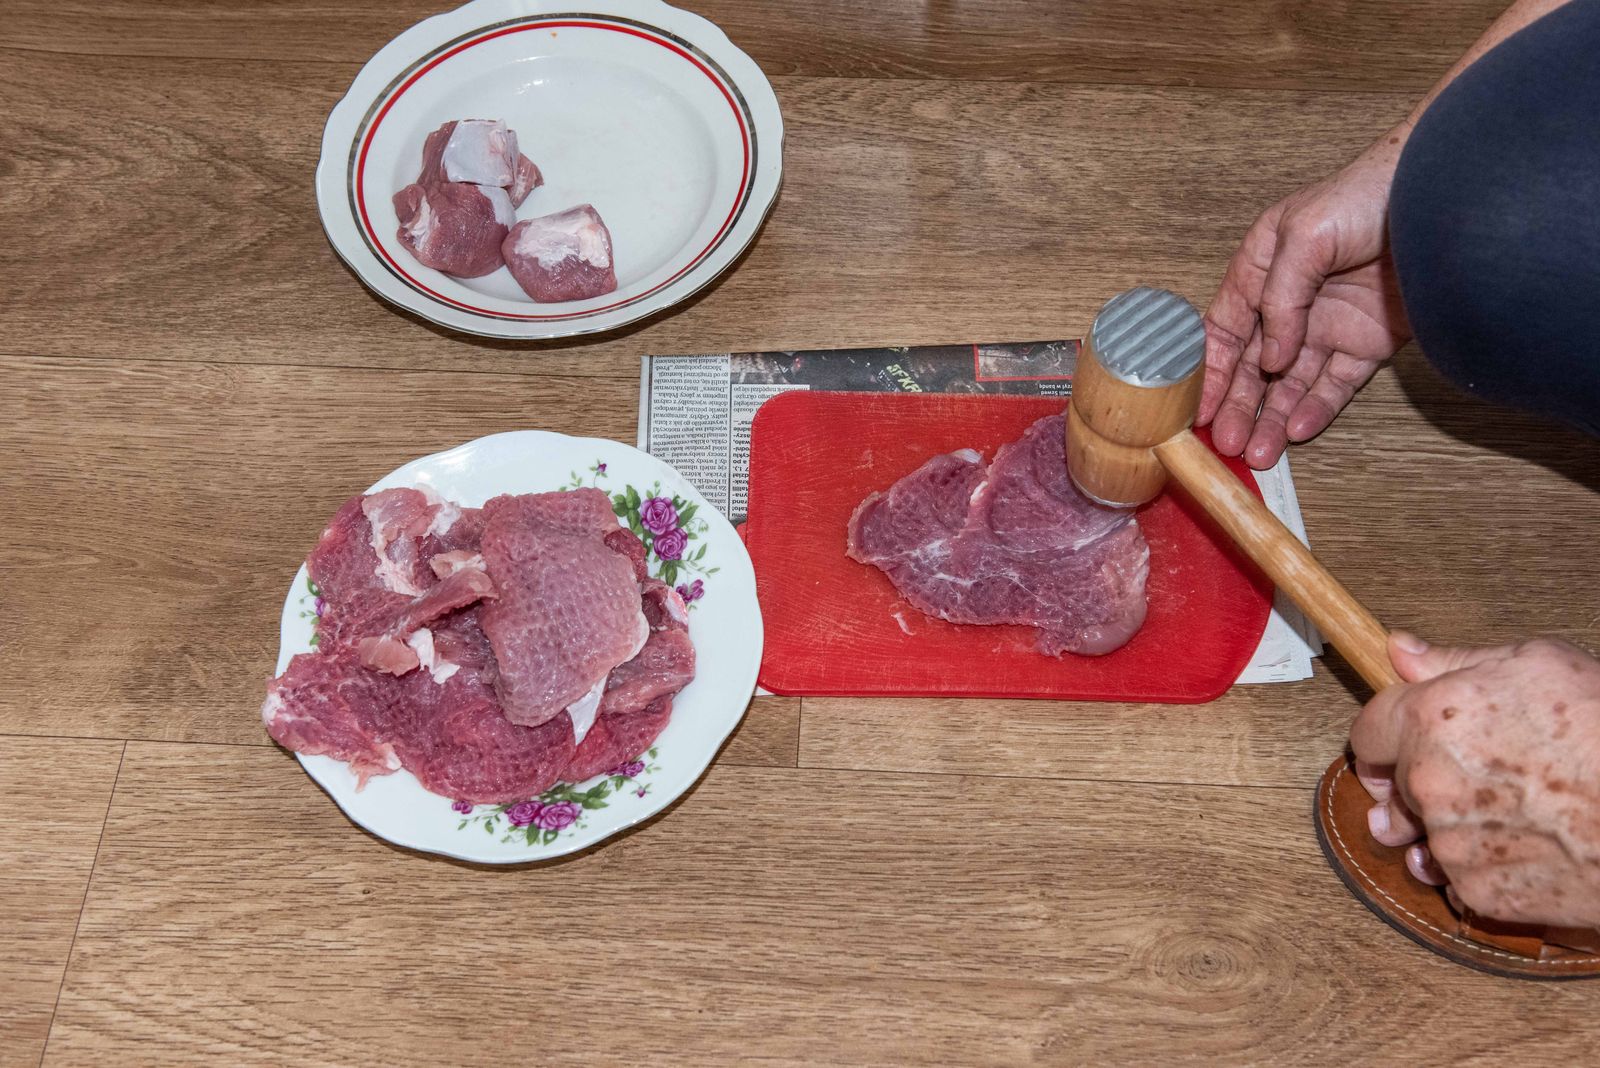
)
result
[(1137, 384)]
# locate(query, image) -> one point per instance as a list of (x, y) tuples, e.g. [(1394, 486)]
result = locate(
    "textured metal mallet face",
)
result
[(1149, 337)]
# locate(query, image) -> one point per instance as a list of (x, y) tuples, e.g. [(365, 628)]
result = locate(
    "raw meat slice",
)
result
[(1011, 543), (398, 520), (343, 560), (455, 739), (314, 707), (528, 179), (451, 227), (628, 544), (452, 737), (462, 535), (360, 614), (568, 609), (617, 739), (663, 608), (387, 647), (353, 554), (573, 513), (663, 667), (561, 257)]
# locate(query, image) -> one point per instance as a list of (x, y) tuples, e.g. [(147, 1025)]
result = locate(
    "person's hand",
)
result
[(1494, 755), (1307, 312)]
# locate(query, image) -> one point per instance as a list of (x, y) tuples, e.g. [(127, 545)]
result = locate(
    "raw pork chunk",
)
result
[(454, 227), (568, 610), (527, 179), (561, 257), (1013, 542)]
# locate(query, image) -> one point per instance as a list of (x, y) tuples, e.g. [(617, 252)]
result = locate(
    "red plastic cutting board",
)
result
[(831, 625)]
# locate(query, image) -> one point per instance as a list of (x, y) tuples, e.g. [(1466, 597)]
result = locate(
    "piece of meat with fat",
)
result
[(403, 643), (627, 543), (562, 257), (314, 708), (376, 541), (528, 178), (663, 607), (454, 227), (617, 739), (476, 151), (663, 667), (568, 608), (1011, 542), (451, 736)]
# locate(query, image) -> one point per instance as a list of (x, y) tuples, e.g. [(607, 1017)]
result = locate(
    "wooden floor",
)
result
[(192, 382)]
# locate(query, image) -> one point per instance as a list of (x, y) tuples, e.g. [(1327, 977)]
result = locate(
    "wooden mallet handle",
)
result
[(1134, 396), (1342, 619)]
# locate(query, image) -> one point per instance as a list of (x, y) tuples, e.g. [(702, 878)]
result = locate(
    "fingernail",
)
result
[(1409, 642), (1420, 864), (1378, 821)]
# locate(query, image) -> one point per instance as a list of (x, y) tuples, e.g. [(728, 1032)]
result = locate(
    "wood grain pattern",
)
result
[(1351, 44), (53, 798), (911, 213), (193, 382), (171, 636), (825, 918)]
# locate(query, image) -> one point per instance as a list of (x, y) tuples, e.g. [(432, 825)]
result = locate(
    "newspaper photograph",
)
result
[(695, 414)]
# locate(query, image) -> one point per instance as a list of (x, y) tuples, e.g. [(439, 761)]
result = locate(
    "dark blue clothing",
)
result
[(1495, 221)]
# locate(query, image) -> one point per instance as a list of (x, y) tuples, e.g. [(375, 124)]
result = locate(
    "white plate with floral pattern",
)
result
[(647, 112), (690, 546)]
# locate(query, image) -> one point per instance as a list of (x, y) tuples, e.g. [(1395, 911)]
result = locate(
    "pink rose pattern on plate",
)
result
[(543, 819)]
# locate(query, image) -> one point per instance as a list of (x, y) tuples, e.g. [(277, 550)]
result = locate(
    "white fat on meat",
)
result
[(421, 224), (271, 709), (505, 212), (564, 236), (446, 516), (583, 710), (481, 151), (676, 608), (421, 642), (446, 564), (393, 576)]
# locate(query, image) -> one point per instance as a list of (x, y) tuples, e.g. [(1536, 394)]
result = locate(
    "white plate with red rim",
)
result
[(708, 560), (645, 111)]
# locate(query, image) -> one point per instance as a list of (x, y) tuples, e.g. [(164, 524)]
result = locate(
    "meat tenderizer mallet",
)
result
[(1134, 398)]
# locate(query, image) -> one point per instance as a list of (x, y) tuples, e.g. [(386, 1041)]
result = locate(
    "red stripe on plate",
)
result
[(366, 144)]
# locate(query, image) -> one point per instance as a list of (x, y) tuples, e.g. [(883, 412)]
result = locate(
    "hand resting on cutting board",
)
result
[(1494, 755)]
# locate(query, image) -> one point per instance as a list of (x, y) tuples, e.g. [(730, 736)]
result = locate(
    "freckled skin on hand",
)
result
[(1499, 760)]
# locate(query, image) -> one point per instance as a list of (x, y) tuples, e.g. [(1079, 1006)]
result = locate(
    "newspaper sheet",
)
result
[(695, 413)]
